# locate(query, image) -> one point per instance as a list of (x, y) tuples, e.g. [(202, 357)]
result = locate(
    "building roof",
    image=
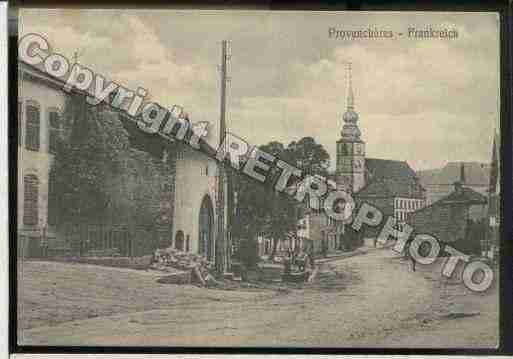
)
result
[(379, 168), (151, 143), (389, 178), (463, 195), (476, 174)]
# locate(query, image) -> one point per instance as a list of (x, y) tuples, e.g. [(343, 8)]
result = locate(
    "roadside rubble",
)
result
[(198, 269), (179, 267)]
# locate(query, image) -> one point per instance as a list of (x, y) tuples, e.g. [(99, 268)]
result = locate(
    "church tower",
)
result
[(350, 173)]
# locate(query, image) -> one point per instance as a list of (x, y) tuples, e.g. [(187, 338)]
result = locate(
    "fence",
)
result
[(123, 240), (94, 240)]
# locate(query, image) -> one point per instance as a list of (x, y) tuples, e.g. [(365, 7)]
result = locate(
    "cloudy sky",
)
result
[(427, 101)]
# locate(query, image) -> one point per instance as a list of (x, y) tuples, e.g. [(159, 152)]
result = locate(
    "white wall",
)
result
[(191, 185), (31, 162)]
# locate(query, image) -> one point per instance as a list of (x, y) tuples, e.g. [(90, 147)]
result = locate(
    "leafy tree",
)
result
[(309, 156), (262, 210)]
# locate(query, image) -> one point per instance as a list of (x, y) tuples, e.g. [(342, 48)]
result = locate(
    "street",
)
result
[(367, 300)]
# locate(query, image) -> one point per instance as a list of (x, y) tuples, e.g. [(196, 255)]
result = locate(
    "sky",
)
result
[(426, 101)]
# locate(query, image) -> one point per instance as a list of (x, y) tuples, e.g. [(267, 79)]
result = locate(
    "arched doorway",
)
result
[(179, 240), (206, 228)]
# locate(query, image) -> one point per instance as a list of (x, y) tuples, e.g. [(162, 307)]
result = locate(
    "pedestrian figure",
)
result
[(409, 256)]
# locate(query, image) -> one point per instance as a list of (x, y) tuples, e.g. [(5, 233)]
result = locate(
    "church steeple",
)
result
[(350, 94), (350, 130), (350, 173)]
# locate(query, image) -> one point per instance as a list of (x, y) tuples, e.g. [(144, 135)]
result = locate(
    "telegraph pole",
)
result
[(221, 248)]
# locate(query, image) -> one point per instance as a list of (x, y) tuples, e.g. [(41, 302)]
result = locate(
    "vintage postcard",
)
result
[(299, 179)]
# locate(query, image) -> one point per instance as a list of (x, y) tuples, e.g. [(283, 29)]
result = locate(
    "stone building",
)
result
[(456, 219), (188, 197)]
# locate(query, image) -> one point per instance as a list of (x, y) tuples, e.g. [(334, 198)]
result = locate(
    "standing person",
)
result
[(409, 256), (309, 266)]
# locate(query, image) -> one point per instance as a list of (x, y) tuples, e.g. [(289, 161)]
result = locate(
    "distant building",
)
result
[(457, 219), (319, 232), (393, 187), (390, 185), (439, 182)]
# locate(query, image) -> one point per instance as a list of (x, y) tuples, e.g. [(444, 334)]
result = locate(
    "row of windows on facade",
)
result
[(33, 126), (408, 204)]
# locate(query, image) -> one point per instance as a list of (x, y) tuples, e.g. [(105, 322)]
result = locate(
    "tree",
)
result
[(262, 210), (309, 156)]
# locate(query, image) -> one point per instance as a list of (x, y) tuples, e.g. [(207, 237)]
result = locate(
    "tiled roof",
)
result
[(390, 178)]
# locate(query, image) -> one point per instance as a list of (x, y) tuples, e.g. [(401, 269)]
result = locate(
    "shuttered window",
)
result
[(32, 130), (30, 204)]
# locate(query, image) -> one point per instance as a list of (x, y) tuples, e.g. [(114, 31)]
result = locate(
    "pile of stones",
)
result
[(170, 259)]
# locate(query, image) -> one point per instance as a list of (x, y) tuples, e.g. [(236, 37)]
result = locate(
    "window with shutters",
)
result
[(30, 203), (54, 122), (33, 117)]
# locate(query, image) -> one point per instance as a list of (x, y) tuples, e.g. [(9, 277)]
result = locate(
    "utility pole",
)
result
[(221, 248)]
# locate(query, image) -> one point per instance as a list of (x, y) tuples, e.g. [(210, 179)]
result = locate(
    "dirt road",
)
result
[(368, 300)]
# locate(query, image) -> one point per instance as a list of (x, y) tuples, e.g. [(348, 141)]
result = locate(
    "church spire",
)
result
[(350, 130), (350, 94)]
